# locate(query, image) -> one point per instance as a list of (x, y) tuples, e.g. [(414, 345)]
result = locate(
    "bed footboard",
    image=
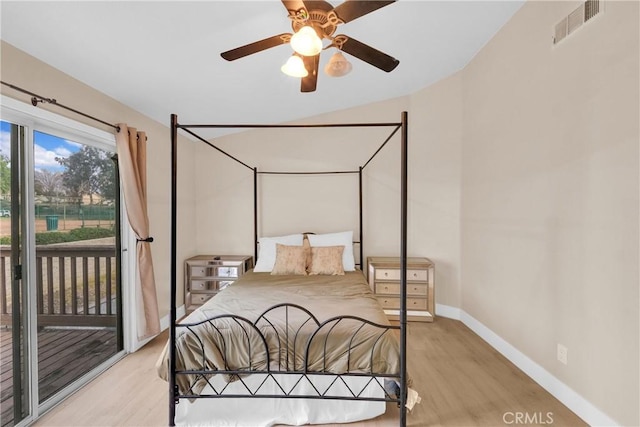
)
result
[(287, 353)]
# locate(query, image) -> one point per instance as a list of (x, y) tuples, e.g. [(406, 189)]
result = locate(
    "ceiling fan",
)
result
[(312, 22)]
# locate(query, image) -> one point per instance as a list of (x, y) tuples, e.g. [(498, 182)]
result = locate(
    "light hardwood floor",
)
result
[(461, 379)]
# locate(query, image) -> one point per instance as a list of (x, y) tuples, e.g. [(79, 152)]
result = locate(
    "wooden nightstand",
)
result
[(206, 275), (384, 280)]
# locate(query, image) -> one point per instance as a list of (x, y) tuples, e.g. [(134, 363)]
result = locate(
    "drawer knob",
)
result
[(415, 274), (386, 274)]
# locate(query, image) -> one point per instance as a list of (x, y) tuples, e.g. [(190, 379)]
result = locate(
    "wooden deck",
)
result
[(64, 356)]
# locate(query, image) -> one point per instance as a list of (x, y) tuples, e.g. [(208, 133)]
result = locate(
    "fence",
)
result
[(75, 285)]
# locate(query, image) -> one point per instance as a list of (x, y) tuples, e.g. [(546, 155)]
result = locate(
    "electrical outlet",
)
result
[(562, 354)]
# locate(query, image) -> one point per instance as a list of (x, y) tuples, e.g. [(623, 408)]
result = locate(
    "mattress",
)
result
[(266, 412)]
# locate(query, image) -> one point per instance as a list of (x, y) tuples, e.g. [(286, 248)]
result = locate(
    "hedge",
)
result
[(74, 235)]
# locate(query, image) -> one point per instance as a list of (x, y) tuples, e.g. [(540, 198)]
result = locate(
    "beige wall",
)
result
[(27, 72), (550, 197), (435, 124)]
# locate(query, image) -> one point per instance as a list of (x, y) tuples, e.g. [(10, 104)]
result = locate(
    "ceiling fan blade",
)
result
[(309, 83), (318, 5), (293, 6), (352, 9), (255, 47), (368, 54)]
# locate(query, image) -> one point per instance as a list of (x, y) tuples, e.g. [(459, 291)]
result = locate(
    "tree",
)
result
[(5, 175), (48, 184), (107, 179), (87, 172)]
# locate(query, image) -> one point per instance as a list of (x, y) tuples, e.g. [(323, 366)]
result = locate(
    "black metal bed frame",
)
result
[(252, 329)]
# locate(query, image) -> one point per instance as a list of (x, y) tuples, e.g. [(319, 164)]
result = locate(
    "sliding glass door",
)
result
[(14, 333), (60, 293)]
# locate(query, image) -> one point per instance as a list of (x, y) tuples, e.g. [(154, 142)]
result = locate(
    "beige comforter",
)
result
[(233, 344)]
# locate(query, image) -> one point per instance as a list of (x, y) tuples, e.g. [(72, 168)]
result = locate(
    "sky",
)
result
[(46, 148)]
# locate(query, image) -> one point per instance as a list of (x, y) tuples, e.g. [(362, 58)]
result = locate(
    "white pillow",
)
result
[(267, 250), (344, 238)]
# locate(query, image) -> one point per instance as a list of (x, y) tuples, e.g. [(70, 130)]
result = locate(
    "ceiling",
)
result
[(164, 57)]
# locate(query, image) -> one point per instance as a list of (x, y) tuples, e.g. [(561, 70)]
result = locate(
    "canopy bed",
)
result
[(301, 332)]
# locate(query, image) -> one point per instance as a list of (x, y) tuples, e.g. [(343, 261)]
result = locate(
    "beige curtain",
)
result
[(132, 161)]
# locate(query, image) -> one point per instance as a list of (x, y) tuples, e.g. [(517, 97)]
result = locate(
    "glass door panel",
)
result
[(76, 260), (14, 372)]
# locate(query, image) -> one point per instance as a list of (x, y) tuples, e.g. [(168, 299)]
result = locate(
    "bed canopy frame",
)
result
[(191, 129)]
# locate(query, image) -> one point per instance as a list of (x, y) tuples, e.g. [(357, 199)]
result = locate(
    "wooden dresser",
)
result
[(206, 275), (384, 279)]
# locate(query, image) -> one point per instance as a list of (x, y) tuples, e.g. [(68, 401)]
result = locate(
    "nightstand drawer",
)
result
[(388, 288), (199, 299), (394, 289), (209, 285), (211, 271), (394, 274), (394, 303)]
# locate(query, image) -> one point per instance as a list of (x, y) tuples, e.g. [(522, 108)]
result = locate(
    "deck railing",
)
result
[(75, 285)]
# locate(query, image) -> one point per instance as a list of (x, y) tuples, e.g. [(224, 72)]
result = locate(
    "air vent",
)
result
[(591, 9), (575, 19)]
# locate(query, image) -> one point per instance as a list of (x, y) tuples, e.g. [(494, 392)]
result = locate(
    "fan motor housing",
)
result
[(320, 20)]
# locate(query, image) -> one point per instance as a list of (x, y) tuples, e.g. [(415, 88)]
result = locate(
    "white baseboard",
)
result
[(447, 311), (565, 394)]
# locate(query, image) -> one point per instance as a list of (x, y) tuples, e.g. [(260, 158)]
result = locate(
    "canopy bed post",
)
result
[(403, 271), (174, 257), (362, 266), (255, 213)]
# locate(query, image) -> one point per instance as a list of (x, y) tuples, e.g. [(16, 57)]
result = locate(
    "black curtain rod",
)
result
[(35, 98)]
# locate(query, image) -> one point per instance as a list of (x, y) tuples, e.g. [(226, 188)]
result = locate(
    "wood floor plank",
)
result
[(462, 382)]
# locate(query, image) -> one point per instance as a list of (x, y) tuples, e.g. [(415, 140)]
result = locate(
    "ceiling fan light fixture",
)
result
[(337, 66), (294, 67), (306, 41)]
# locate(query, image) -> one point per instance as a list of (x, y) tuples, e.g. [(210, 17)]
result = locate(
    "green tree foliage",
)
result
[(5, 175), (87, 172), (107, 179)]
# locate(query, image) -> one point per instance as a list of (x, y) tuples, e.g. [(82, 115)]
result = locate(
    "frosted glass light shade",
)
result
[(306, 41), (294, 67), (337, 66)]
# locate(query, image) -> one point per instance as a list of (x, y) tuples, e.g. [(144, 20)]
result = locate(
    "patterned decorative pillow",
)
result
[(337, 239), (290, 260), (326, 260)]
